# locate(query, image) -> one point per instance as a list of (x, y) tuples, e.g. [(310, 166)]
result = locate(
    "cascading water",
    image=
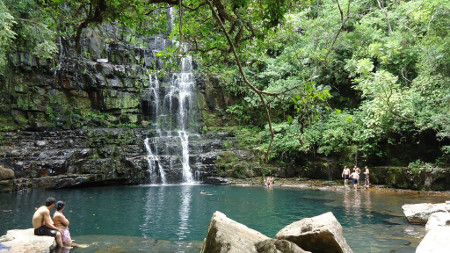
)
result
[(172, 112), (153, 161), (184, 81)]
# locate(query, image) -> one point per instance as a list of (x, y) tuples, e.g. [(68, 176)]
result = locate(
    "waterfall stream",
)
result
[(171, 106)]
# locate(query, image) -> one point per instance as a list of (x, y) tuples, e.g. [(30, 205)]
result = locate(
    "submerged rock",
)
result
[(419, 213), (321, 233), (435, 241), (227, 235), (24, 240)]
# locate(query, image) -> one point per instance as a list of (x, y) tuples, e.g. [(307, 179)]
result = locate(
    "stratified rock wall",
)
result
[(56, 159)]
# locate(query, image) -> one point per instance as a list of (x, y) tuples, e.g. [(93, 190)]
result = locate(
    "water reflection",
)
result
[(357, 204), (153, 206), (184, 212)]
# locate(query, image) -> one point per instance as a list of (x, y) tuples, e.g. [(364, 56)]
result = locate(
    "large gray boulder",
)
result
[(435, 241), (419, 213), (227, 235), (278, 246), (321, 233), (24, 240), (439, 219)]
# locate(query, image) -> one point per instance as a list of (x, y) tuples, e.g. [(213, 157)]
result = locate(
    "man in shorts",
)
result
[(43, 224), (346, 175)]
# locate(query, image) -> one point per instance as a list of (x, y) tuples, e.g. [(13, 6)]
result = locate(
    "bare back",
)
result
[(41, 217)]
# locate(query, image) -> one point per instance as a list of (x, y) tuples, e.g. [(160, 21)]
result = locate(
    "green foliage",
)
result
[(386, 72), (33, 30), (418, 166), (389, 79), (7, 34)]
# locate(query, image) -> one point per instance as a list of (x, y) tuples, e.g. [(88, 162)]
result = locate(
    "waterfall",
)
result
[(185, 83), (171, 103), (152, 159)]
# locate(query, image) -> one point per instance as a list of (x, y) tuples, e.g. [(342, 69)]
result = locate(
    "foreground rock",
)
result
[(278, 246), (435, 241), (419, 213), (227, 235), (24, 240), (439, 219), (321, 233)]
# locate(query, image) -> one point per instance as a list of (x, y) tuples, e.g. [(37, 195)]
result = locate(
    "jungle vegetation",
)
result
[(365, 78)]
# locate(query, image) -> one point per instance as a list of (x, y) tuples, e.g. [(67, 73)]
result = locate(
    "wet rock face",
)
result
[(99, 156), (74, 158), (65, 116)]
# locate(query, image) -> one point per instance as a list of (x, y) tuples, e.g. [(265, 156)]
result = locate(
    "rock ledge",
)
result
[(24, 240)]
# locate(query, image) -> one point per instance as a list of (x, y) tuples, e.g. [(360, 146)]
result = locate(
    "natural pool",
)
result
[(175, 218)]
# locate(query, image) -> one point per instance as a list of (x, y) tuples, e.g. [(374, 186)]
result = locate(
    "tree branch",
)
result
[(241, 70), (380, 4), (343, 22)]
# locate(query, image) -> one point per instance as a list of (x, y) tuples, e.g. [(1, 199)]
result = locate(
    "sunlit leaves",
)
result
[(6, 31)]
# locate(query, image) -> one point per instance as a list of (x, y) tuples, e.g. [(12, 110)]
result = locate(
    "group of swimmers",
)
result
[(355, 176), (57, 227)]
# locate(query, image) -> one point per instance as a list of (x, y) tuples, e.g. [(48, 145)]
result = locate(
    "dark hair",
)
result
[(60, 205), (50, 201)]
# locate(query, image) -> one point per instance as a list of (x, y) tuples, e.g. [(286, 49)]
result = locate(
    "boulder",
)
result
[(6, 173), (227, 235), (278, 246), (419, 213), (438, 220), (321, 233), (435, 241), (215, 180), (24, 240)]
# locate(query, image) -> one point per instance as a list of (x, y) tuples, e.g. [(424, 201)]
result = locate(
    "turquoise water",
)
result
[(175, 218)]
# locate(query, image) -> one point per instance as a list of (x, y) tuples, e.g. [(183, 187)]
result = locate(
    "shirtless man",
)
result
[(366, 177), (43, 224), (345, 175), (62, 223), (355, 178)]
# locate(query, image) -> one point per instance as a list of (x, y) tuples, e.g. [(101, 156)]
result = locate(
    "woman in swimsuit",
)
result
[(62, 223)]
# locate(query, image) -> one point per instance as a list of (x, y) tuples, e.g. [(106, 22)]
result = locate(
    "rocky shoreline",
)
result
[(324, 185)]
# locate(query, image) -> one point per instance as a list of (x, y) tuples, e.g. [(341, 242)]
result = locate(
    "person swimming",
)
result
[(204, 193)]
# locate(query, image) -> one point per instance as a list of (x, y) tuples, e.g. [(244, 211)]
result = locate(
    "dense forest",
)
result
[(361, 80)]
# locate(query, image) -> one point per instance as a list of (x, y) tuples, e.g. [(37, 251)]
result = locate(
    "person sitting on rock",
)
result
[(43, 224), (62, 223)]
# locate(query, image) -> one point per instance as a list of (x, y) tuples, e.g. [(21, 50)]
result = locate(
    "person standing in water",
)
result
[(366, 177), (62, 223), (43, 224), (355, 178), (346, 175)]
